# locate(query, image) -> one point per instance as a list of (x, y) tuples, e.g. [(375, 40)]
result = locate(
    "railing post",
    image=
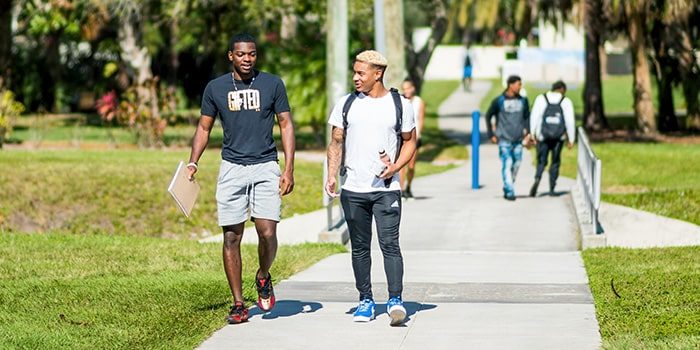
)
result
[(476, 141)]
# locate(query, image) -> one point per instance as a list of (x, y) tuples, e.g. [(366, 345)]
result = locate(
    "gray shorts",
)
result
[(248, 188)]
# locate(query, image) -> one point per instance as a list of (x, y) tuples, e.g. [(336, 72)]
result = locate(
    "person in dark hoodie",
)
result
[(511, 114)]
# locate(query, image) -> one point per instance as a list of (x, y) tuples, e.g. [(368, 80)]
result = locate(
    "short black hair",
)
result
[(558, 85), (409, 80), (513, 79), (241, 38)]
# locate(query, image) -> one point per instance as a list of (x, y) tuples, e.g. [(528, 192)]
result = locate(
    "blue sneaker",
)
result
[(395, 309), (364, 311)]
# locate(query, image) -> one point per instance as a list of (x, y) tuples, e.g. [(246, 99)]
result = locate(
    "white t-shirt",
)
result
[(417, 102), (371, 123), (538, 110)]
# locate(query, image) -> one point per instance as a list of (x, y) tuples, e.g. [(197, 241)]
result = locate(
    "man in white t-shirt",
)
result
[(551, 124), (372, 188)]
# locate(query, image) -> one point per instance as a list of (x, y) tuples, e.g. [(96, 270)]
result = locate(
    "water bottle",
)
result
[(384, 158)]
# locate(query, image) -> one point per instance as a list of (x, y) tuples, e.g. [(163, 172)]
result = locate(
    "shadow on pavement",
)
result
[(286, 308), (553, 194), (411, 308)]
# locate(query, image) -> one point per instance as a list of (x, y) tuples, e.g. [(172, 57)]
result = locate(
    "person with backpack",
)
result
[(511, 113), (552, 123), (373, 137)]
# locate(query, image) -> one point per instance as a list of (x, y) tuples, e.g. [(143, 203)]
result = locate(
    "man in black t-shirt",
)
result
[(250, 180)]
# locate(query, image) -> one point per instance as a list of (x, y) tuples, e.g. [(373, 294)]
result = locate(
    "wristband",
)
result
[(194, 164)]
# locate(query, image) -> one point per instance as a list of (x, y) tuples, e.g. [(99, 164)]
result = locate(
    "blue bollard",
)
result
[(476, 141)]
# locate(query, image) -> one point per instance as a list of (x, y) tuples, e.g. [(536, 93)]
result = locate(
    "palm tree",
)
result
[(593, 112), (683, 17), (633, 15)]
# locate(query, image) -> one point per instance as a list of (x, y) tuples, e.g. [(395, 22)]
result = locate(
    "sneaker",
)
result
[(237, 314), (364, 311), (396, 311), (509, 197), (266, 295), (408, 193)]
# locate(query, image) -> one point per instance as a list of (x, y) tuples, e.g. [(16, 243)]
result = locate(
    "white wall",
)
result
[(447, 62), (568, 37)]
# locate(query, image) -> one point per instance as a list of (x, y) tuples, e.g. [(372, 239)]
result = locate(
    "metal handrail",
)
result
[(589, 179)]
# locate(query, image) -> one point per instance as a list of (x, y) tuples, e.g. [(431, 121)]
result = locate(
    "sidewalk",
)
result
[(480, 272)]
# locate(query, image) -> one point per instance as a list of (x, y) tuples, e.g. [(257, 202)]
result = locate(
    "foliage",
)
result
[(146, 118), (117, 292), (646, 298), (9, 111)]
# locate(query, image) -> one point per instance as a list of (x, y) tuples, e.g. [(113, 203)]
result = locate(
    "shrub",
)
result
[(9, 110)]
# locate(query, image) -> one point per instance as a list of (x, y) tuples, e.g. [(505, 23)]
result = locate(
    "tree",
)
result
[(665, 69), (593, 112), (635, 14), (685, 15), (417, 61), (5, 40)]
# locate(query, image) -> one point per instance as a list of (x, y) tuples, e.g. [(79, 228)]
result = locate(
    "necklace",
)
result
[(233, 79)]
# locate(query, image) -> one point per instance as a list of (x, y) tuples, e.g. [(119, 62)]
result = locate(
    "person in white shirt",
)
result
[(407, 173), (364, 145), (552, 124)]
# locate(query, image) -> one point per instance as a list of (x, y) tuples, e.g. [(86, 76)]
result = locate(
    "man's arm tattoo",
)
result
[(335, 151)]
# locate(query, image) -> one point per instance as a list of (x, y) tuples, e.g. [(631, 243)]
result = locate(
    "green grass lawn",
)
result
[(660, 178), (117, 292), (436, 146), (120, 192), (658, 301)]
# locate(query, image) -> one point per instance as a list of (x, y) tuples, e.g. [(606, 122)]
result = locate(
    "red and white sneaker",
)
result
[(266, 295), (238, 313)]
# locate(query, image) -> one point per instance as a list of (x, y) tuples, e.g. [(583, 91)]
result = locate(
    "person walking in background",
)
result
[(247, 101), (511, 115), (408, 172), (373, 137), (467, 73), (551, 124)]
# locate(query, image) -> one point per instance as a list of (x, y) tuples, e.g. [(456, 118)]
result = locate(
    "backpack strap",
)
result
[(399, 120), (346, 108), (550, 103)]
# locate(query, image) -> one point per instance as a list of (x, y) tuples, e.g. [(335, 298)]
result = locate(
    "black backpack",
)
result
[(553, 125), (397, 127)]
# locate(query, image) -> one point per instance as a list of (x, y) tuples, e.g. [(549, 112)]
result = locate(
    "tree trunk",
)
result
[(643, 107), (690, 73), (417, 62), (668, 121), (50, 71), (664, 68), (593, 112), (288, 27), (603, 57), (174, 38), (5, 41), (138, 57)]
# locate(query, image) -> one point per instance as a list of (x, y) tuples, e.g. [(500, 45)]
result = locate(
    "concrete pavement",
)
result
[(480, 272)]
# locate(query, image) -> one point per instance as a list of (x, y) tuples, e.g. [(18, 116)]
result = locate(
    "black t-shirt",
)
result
[(247, 113)]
